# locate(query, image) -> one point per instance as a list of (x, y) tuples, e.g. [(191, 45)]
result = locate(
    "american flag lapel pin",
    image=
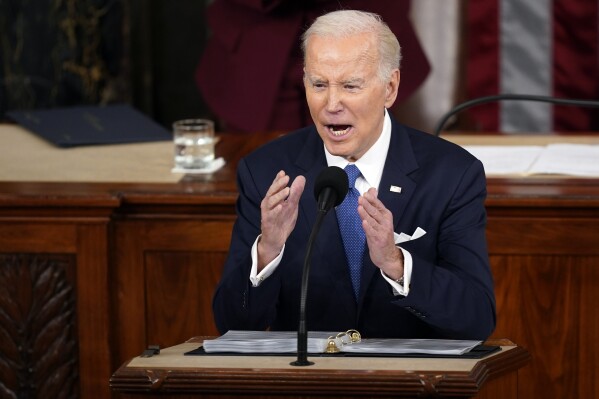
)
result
[(395, 189)]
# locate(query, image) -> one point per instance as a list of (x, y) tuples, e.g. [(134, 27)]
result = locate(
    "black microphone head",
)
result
[(331, 187)]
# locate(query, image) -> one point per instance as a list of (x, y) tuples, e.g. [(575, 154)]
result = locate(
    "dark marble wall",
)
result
[(60, 52), (73, 52)]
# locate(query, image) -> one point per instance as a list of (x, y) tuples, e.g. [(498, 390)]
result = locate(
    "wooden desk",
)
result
[(170, 374), (132, 254)]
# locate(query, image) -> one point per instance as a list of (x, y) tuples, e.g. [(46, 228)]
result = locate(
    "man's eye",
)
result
[(351, 87), (319, 85)]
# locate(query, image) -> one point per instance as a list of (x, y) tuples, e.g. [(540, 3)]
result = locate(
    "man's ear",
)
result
[(392, 88)]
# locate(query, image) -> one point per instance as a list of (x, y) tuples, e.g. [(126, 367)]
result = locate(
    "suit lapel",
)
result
[(400, 163)]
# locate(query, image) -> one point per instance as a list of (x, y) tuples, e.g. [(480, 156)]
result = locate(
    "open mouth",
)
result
[(339, 130)]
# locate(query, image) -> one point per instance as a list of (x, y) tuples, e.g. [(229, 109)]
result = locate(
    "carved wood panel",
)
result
[(38, 331)]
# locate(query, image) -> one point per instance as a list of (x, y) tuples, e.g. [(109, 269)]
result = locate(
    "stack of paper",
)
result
[(265, 342), (286, 342), (410, 346)]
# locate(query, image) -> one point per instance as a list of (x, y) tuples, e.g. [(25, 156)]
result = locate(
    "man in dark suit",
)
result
[(405, 254)]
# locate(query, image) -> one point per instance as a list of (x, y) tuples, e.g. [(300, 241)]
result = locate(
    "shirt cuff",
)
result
[(257, 278), (404, 289)]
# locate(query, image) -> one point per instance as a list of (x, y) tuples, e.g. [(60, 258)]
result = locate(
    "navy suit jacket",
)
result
[(443, 189)]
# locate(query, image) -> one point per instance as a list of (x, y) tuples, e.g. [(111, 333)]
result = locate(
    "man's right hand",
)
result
[(279, 210)]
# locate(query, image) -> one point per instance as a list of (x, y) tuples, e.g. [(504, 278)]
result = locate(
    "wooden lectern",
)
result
[(171, 374)]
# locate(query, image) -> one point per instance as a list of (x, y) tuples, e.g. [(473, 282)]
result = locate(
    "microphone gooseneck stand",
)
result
[(302, 334), (330, 189), (512, 97)]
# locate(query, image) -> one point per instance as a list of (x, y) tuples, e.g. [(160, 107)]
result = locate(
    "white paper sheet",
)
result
[(560, 158), (568, 159), (506, 160)]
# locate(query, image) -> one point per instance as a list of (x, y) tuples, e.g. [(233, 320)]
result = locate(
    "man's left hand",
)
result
[(377, 222)]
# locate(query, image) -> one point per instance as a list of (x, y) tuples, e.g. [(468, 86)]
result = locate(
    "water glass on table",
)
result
[(194, 143)]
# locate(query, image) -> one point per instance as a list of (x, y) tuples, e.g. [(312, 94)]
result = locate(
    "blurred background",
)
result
[(185, 58)]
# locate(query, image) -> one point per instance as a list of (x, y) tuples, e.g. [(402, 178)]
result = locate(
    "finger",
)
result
[(372, 197), (277, 198), (375, 208), (297, 188), (369, 209), (277, 192), (369, 212), (280, 181)]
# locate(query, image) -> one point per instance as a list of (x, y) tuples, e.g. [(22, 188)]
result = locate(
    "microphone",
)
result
[(330, 189)]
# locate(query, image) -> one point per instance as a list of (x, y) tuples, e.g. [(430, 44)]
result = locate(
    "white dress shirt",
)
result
[(371, 166)]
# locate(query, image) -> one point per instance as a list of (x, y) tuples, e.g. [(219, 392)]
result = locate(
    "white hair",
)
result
[(345, 23)]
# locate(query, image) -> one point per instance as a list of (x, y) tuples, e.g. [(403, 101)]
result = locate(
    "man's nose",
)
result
[(334, 100)]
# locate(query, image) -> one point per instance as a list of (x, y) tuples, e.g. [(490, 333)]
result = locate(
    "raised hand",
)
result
[(279, 210), (377, 222)]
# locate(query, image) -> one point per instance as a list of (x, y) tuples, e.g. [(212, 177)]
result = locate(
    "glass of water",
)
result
[(194, 143)]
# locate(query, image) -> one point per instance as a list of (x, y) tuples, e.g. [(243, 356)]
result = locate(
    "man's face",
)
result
[(344, 93)]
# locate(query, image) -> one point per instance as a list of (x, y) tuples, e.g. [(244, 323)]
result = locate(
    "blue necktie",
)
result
[(351, 229)]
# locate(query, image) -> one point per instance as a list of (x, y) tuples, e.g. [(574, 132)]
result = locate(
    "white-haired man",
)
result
[(433, 280)]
